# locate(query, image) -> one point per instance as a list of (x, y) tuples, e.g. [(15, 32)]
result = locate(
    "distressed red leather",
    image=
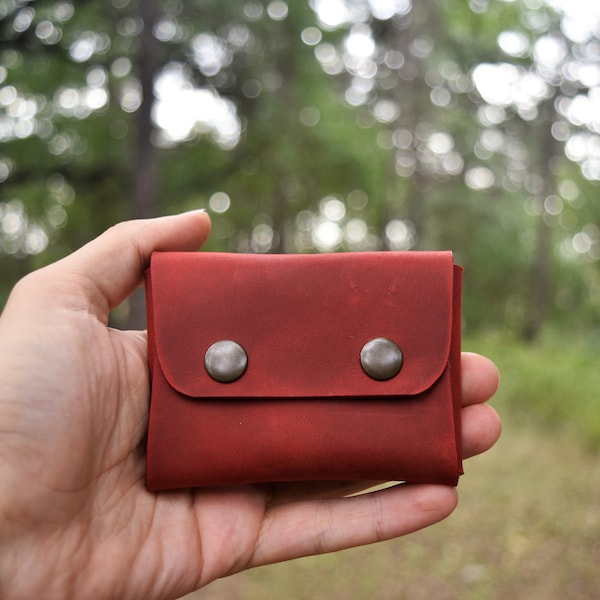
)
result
[(304, 409)]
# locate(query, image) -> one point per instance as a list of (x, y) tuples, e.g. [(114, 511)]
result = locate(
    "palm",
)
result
[(98, 506), (73, 409)]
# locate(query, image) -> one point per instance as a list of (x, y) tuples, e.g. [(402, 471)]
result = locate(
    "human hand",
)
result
[(75, 517)]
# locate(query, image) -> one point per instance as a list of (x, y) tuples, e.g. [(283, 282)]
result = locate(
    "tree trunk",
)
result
[(145, 163), (145, 175), (540, 278), (540, 283)]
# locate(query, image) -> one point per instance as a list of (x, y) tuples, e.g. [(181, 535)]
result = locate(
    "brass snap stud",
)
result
[(225, 361), (381, 359)]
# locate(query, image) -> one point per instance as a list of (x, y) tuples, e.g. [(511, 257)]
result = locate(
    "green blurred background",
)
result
[(351, 125)]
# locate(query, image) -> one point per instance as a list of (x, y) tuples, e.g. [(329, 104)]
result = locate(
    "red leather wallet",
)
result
[(272, 368)]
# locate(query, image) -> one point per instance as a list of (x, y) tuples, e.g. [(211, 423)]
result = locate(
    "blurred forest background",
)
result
[(316, 126), (349, 125)]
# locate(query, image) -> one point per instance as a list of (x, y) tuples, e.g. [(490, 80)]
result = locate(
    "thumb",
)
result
[(106, 271)]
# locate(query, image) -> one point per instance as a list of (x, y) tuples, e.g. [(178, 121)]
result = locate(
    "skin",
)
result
[(75, 518)]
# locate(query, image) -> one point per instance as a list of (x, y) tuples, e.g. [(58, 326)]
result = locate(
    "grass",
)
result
[(528, 522), (554, 384)]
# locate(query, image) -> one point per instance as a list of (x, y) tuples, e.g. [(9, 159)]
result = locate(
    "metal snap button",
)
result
[(381, 359), (225, 361)]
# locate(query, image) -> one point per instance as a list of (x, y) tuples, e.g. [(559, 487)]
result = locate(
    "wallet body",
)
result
[(304, 408)]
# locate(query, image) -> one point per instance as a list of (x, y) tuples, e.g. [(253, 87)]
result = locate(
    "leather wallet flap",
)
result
[(301, 319)]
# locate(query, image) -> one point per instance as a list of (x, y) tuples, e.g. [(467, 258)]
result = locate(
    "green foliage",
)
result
[(552, 385), (393, 132)]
